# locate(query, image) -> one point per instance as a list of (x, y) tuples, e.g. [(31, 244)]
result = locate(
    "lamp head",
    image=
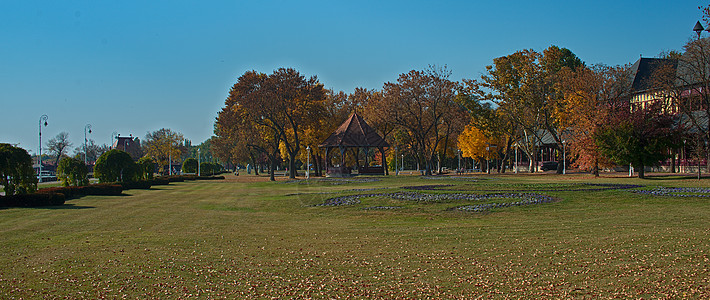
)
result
[(698, 28)]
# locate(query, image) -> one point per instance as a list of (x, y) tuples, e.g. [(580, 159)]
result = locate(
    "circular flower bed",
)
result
[(381, 207), (529, 187), (458, 178), (333, 181), (676, 192), (524, 199)]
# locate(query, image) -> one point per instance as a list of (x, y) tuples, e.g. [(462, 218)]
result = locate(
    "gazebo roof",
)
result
[(354, 132)]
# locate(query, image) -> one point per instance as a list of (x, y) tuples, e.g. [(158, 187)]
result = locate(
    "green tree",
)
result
[(146, 166), (640, 137), (72, 171), (16, 173), (115, 165), (189, 165)]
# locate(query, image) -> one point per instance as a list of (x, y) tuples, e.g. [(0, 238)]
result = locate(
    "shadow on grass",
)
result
[(65, 206)]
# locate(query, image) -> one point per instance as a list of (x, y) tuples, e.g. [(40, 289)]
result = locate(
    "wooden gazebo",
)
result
[(354, 133)]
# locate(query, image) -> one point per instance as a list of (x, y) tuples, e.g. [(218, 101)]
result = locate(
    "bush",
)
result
[(70, 192), (160, 181), (189, 165), (16, 172), (104, 189), (72, 171), (146, 168), (210, 177), (137, 185), (32, 200), (115, 165)]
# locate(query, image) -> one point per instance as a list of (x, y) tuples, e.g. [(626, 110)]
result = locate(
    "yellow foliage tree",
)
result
[(474, 143)]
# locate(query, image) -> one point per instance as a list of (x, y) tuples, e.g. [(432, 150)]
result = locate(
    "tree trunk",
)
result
[(272, 169), (316, 164), (595, 170), (428, 166), (641, 171), (253, 162), (292, 165)]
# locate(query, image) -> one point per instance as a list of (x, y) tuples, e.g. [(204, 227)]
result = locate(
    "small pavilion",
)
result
[(354, 133)]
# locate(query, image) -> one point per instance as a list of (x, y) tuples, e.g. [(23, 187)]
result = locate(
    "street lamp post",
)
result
[(42, 119), (402, 166), (87, 127), (488, 159), (308, 161)]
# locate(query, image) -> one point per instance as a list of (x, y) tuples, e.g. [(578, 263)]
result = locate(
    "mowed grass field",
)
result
[(244, 237)]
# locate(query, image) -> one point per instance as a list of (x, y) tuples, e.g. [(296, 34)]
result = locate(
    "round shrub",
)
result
[(72, 171), (16, 173), (189, 165), (114, 166), (146, 166)]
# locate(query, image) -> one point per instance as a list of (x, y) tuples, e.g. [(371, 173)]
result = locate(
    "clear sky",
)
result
[(138, 66)]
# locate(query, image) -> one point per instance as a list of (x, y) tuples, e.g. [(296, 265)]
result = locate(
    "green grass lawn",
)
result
[(230, 239)]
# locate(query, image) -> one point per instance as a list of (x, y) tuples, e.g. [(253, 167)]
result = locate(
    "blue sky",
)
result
[(138, 66)]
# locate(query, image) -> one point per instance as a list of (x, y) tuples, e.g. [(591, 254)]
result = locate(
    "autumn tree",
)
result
[(419, 102), (474, 143), (524, 85), (292, 101), (512, 83), (492, 120), (589, 96), (163, 145), (59, 145), (241, 129)]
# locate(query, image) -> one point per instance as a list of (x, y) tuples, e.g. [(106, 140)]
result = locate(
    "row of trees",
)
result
[(521, 101), (161, 145), (278, 115)]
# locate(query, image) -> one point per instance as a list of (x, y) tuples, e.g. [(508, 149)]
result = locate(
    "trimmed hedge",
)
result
[(137, 185), (101, 189), (160, 181), (32, 200), (181, 178), (210, 178)]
